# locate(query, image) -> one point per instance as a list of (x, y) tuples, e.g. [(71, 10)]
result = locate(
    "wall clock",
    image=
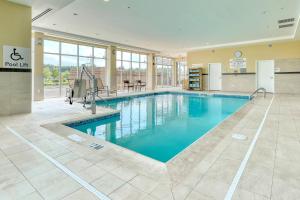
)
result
[(238, 54)]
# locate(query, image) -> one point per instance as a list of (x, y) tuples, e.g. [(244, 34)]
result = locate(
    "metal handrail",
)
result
[(256, 91)]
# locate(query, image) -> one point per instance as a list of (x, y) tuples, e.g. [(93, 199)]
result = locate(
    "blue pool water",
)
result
[(161, 125)]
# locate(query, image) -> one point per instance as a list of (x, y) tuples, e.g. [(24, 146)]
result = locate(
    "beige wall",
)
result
[(15, 86), (285, 54), (37, 65), (252, 53)]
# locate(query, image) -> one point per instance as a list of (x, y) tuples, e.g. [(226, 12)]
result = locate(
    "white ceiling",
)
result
[(170, 26)]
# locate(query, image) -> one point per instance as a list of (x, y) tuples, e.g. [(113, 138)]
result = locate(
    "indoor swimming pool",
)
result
[(160, 125)]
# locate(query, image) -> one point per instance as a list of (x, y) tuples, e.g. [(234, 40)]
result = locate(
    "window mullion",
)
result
[(59, 69)]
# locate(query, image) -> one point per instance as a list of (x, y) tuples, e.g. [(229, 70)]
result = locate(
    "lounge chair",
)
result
[(139, 85), (128, 85), (103, 88)]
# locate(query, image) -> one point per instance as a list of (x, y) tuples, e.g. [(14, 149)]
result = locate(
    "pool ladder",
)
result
[(256, 91)]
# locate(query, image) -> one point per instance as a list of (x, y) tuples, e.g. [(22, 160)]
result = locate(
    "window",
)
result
[(51, 75), (131, 66), (100, 53), (62, 62), (85, 51), (51, 46), (126, 56), (135, 57), (163, 71), (69, 49), (68, 70)]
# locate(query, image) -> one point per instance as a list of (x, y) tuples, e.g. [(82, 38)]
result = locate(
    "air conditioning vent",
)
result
[(285, 25), (289, 20), (42, 14)]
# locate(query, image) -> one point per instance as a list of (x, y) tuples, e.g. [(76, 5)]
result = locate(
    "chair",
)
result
[(139, 84), (104, 88), (128, 85)]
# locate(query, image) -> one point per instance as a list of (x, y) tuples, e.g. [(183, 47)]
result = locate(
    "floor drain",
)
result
[(239, 136), (96, 146)]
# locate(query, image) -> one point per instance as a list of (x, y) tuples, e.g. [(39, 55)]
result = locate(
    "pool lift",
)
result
[(79, 90)]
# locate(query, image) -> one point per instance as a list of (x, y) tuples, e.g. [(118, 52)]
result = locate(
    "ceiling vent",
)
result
[(42, 14), (285, 25), (289, 20)]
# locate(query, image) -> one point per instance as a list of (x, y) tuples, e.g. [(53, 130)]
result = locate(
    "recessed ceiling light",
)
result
[(106, 0), (75, 14)]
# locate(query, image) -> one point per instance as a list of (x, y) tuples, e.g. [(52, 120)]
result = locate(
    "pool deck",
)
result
[(205, 170)]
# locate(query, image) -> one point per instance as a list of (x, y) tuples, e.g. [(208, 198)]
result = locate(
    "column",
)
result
[(15, 74), (112, 67), (174, 74), (38, 63), (151, 72)]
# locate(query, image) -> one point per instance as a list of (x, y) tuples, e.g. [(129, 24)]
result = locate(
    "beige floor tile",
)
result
[(78, 165), (143, 183), (192, 178), (108, 183), (16, 191), (31, 196), (81, 194), (60, 189), (235, 151), (149, 197), (124, 173), (47, 178), (198, 196), (36, 168), (91, 173), (212, 188), (9, 175), (289, 172), (258, 183), (181, 191), (26, 157), (109, 164), (68, 157), (13, 149), (126, 192), (223, 169), (241, 194), (163, 191), (288, 154), (281, 190), (263, 155)]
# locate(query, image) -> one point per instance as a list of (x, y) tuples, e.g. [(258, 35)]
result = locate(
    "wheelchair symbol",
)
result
[(16, 56)]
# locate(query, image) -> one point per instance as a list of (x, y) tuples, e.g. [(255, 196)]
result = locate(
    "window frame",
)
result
[(120, 60), (78, 44)]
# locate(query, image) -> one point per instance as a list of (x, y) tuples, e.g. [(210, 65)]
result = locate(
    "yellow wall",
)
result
[(15, 26), (15, 85), (252, 53)]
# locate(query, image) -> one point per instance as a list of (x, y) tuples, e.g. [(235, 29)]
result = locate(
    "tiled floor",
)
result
[(205, 170)]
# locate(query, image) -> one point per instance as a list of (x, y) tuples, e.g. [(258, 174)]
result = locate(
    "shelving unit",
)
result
[(195, 79)]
